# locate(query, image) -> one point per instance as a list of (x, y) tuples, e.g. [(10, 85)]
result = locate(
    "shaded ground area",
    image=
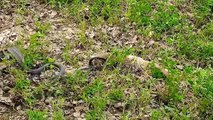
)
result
[(47, 35)]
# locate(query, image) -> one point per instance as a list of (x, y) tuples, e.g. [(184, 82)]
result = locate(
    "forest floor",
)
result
[(175, 35)]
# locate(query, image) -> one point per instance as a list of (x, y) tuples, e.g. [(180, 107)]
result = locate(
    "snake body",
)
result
[(95, 63), (92, 64), (16, 53), (43, 67), (38, 70)]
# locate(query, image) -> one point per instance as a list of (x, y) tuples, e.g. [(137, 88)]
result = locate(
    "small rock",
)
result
[(1, 38), (53, 14), (80, 101), (79, 108), (6, 100), (134, 40), (76, 114), (83, 115), (1, 92), (179, 67), (48, 100), (43, 15), (1, 84), (119, 105), (74, 102), (66, 112), (81, 119), (2, 67), (151, 42), (116, 115), (151, 33), (18, 108)]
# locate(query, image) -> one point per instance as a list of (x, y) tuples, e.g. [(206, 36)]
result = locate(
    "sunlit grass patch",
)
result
[(36, 115)]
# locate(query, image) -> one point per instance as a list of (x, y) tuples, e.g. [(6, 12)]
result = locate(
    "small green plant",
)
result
[(203, 11), (144, 97), (66, 52), (42, 27), (106, 9), (161, 20), (139, 12), (156, 115), (96, 87), (77, 78), (98, 106), (83, 40), (35, 51), (32, 54), (196, 47), (118, 56), (165, 18), (22, 6), (57, 3), (58, 115), (22, 84), (156, 72), (36, 115), (116, 95)]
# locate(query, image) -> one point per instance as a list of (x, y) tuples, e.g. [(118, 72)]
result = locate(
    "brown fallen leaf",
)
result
[(2, 65), (17, 54), (137, 61), (77, 114), (6, 101)]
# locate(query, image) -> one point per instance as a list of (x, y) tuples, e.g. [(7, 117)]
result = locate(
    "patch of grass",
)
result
[(94, 88), (165, 18), (22, 84), (66, 52), (42, 27), (173, 81), (116, 95), (36, 115), (144, 97), (160, 18), (169, 113), (34, 53), (107, 9), (98, 107), (156, 72), (98, 9), (175, 94), (196, 47), (139, 12), (203, 11), (58, 115), (156, 115), (22, 6), (118, 56), (82, 35), (57, 3), (36, 43), (77, 78), (203, 87)]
